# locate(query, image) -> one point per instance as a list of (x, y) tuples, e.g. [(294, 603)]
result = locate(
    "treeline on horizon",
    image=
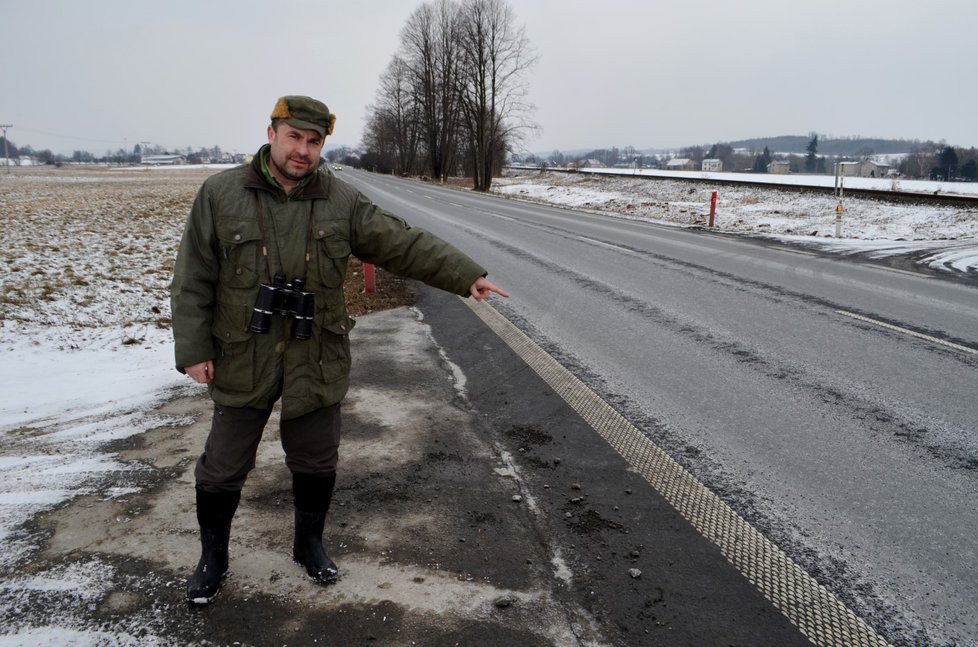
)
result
[(120, 156), (835, 145), (803, 154), (796, 144)]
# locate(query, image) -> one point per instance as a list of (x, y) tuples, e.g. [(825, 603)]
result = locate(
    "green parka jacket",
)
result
[(221, 263)]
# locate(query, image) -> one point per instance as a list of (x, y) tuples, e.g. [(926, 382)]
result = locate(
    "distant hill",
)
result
[(826, 146)]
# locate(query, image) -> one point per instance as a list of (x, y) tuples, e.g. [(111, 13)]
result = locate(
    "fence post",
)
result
[(713, 207), (369, 284)]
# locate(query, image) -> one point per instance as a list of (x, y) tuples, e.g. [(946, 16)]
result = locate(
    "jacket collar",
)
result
[(315, 185)]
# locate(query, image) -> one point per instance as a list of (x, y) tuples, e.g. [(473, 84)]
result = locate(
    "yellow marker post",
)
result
[(838, 221)]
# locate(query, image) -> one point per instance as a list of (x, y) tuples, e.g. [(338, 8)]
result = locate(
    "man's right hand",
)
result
[(202, 373)]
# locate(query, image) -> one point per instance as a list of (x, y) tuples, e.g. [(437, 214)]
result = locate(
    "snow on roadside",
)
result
[(872, 227), (61, 407), (66, 592)]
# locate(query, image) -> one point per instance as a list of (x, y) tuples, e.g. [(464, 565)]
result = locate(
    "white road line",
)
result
[(905, 331), (898, 271), (795, 251), (601, 243)]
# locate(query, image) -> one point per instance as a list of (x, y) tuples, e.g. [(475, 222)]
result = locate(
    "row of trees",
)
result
[(453, 99), (44, 156), (942, 163)]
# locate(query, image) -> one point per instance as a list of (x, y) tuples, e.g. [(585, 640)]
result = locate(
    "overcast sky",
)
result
[(100, 74)]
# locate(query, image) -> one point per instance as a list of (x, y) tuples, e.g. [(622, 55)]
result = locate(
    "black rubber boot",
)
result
[(214, 513), (312, 494)]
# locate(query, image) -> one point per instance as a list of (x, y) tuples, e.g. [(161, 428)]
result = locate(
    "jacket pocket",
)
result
[(234, 367), (240, 242), (334, 350), (334, 252)]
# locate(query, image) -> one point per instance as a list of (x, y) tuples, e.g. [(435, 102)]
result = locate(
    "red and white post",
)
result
[(369, 283)]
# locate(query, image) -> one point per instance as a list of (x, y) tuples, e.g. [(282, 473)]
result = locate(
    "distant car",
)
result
[(337, 167)]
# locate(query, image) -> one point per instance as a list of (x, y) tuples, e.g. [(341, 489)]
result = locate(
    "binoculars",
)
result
[(288, 299)]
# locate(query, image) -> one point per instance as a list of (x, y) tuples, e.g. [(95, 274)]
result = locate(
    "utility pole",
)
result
[(6, 157)]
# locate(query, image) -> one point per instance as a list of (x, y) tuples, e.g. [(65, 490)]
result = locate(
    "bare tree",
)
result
[(392, 123), (458, 91), (495, 55), (429, 46), (694, 153), (918, 162)]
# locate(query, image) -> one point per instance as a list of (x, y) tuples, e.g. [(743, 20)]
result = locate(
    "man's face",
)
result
[(294, 152)]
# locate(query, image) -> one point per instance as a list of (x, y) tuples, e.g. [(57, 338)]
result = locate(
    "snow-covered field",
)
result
[(944, 237)]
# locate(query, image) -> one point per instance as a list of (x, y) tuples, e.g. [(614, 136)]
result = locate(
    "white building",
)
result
[(162, 160)]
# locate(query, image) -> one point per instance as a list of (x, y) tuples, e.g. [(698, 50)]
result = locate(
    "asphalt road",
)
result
[(830, 402)]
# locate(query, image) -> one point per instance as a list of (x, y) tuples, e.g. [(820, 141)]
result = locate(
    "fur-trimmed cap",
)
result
[(305, 113)]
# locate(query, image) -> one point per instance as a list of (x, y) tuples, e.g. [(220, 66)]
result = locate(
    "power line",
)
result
[(85, 139)]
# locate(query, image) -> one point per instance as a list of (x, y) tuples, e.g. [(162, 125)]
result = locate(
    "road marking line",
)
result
[(601, 243), (817, 613), (795, 251), (898, 270), (906, 331)]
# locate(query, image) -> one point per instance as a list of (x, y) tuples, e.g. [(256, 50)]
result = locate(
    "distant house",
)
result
[(590, 164), (712, 165), (162, 160), (680, 164), (779, 167), (870, 168)]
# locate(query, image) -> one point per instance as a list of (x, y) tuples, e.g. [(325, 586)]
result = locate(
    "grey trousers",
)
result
[(311, 443)]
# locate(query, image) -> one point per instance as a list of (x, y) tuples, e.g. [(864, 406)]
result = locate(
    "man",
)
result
[(259, 315)]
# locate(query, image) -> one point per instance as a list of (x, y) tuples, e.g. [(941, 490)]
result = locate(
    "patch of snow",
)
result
[(868, 225)]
